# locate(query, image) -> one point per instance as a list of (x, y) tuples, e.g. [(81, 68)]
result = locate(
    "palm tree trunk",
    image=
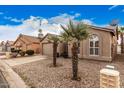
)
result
[(75, 61), (54, 53), (122, 43)]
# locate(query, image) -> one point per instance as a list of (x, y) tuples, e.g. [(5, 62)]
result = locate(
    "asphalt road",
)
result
[(3, 82)]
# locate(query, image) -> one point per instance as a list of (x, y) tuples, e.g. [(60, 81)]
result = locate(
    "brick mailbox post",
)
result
[(109, 78)]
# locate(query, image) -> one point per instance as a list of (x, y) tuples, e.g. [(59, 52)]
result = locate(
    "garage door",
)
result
[(48, 49)]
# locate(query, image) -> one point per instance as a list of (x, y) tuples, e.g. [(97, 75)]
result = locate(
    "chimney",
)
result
[(40, 35)]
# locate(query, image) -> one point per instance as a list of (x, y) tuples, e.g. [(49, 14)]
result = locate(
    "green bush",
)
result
[(15, 50), (12, 49), (18, 50), (22, 53), (30, 52)]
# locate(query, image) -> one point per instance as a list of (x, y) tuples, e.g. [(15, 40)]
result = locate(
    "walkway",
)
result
[(23, 60)]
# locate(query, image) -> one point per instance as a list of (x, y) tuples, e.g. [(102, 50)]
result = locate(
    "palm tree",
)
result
[(55, 40), (121, 32), (74, 33)]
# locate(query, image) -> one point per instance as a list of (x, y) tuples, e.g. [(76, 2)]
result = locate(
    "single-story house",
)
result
[(9, 45), (47, 46), (100, 45), (6, 46), (26, 42), (2, 46)]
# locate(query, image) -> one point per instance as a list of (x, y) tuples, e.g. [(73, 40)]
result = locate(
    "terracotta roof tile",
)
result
[(32, 39)]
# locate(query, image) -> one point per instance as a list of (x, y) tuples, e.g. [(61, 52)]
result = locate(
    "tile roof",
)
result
[(29, 39), (2, 43), (9, 42), (32, 39), (48, 34), (107, 29)]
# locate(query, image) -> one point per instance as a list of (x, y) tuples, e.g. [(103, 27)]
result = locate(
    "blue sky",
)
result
[(25, 19)]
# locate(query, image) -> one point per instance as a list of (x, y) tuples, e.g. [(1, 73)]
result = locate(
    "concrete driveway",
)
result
[(23, 60)]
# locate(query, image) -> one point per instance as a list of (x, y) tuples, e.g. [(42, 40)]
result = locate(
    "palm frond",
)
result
[(75, 32)]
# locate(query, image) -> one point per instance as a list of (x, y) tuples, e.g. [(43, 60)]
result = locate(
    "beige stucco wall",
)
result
[(104, 43), (114, 45)]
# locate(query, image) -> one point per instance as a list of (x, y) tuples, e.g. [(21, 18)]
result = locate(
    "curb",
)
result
[(13, 79)]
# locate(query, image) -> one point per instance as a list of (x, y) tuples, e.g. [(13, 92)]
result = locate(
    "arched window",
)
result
[(94, 45)]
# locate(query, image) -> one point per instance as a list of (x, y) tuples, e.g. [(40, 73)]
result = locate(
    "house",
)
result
[(47, 46), (2, 46), (26, 42), (9, 45), (101, 44)]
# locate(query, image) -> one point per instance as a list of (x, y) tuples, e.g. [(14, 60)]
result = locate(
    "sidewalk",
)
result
[(23, 60)]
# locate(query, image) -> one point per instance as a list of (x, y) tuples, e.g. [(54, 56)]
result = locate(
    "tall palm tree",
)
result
[(121, 32), (55, 40), (74, 33)]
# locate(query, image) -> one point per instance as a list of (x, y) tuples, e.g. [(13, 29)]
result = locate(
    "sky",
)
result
[(25, 19)]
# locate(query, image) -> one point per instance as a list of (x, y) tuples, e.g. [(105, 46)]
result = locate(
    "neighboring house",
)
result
[(9, 45), (101, 44), (25, 42), (2, 46), (47, 46)]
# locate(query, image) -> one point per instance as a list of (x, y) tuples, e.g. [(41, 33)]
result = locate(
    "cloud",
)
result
[(93, 18), (87, 21), (16, 20), (31, 25), (1, 13), (122, 10), (13, 19), (77, 14), (112, 7), (63, 18)]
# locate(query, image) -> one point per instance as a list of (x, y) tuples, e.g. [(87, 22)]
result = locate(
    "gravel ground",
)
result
[(41, 74)]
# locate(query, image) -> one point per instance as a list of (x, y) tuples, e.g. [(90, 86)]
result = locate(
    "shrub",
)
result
[(12, 49), (30, 52), (22, 53), (15, 50), (18, 50)]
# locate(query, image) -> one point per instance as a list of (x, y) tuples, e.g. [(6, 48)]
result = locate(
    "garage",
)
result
[(47, 46), (47, 49)]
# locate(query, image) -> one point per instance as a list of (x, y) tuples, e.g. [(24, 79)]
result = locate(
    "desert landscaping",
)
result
[(42, 74)]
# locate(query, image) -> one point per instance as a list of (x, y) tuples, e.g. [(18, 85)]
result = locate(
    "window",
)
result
[(94, 45)]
